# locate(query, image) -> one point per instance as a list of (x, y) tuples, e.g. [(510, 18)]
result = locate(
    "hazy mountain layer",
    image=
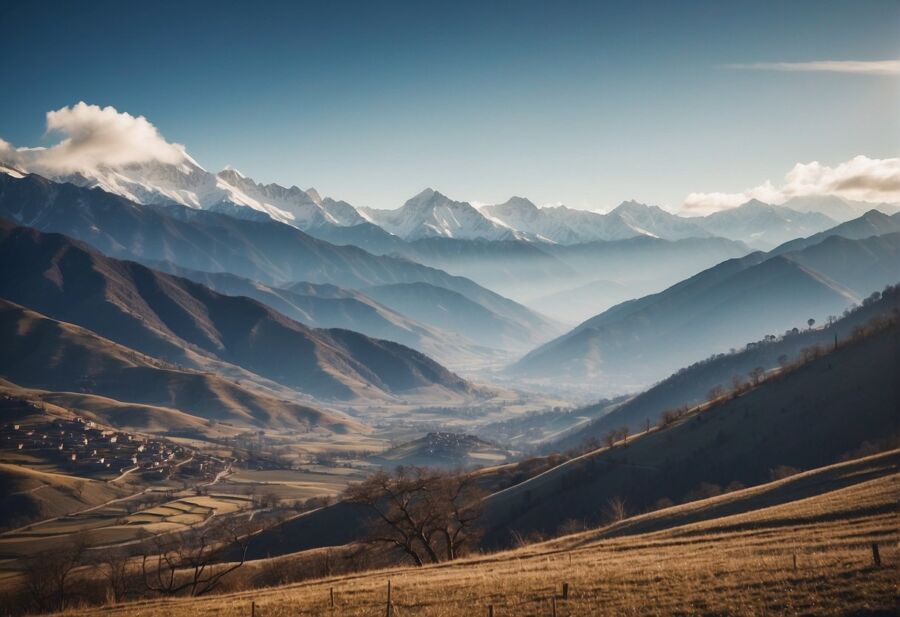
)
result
[(168, 317), (737, 301)]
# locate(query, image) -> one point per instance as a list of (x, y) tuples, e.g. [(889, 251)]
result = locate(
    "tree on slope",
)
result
[(429, 515)]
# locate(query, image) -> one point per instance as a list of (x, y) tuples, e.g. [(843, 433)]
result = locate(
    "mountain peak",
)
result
[(230, 170), (522, 203)]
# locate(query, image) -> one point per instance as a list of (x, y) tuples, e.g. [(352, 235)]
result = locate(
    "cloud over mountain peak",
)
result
[(96, 137)]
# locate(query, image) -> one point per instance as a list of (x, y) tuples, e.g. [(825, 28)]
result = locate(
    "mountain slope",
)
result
[(871, 223), (691, 386), (811, 417), (39, 352), (448, 310), (328, 306), (723, 307), (176, 320), (764, 226)]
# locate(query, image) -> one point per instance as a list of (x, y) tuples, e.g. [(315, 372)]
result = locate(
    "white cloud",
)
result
[(94, 137), (874, 67), (859, 179)]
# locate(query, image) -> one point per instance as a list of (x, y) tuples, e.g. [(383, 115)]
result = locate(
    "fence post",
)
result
[(553, 605), (490, 610), (331, 596), (565, 594), (876, 555), (795, 561), (253, 609), (390, 603)]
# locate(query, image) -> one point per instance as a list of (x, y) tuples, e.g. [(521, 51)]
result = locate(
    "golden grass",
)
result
[(741, 564)]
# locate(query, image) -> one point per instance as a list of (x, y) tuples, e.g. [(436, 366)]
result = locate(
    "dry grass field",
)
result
[(677, 561)]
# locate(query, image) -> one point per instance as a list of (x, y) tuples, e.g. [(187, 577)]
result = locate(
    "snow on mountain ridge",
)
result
[(432, 214)]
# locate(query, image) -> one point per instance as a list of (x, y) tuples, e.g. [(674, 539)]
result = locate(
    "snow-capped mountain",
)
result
[(763, 225), (563, 225), (303, 209), (431, 214), (189, 184), (640, 219), (834, 207)]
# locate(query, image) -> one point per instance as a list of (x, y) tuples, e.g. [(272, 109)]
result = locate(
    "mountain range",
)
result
[(266, 251), (432, 214), (736, 301)]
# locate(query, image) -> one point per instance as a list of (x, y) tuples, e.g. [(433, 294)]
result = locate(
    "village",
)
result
[(80, 447)]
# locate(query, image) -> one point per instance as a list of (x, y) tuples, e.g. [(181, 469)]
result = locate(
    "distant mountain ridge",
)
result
[(431, 214), (733, 302)]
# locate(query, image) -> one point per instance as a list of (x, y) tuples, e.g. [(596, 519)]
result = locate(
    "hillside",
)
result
[(176, 319), (329, 306), (43, 353), (692, 385), (445, 309), (739, 300), (871, 223), (807, 418), (739, 560)]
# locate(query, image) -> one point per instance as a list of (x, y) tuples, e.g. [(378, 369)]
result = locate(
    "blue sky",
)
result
[(582, 103)]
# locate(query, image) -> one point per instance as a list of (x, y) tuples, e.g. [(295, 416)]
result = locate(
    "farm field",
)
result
[(811, 555), (112, 525)]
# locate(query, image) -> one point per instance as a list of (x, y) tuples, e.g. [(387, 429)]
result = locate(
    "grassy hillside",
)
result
[(29, 494), (43, 353), (811, 417), (740, 563)]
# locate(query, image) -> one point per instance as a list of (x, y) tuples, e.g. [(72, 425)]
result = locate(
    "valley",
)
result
[(227, 396)]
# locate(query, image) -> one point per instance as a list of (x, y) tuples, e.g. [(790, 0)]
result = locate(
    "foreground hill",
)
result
[(39, 352), (178, 320), (265, 251), (736, 301), (806, 418), (734, 558)]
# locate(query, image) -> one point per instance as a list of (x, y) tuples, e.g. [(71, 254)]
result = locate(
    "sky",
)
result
[(582, 103)]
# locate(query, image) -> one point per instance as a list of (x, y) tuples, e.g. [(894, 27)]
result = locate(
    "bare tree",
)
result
[(189, 562), (715, 393), (616, 509), (757, 375), (429, 515), (47, 575), (611, 438), (115, 565)]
